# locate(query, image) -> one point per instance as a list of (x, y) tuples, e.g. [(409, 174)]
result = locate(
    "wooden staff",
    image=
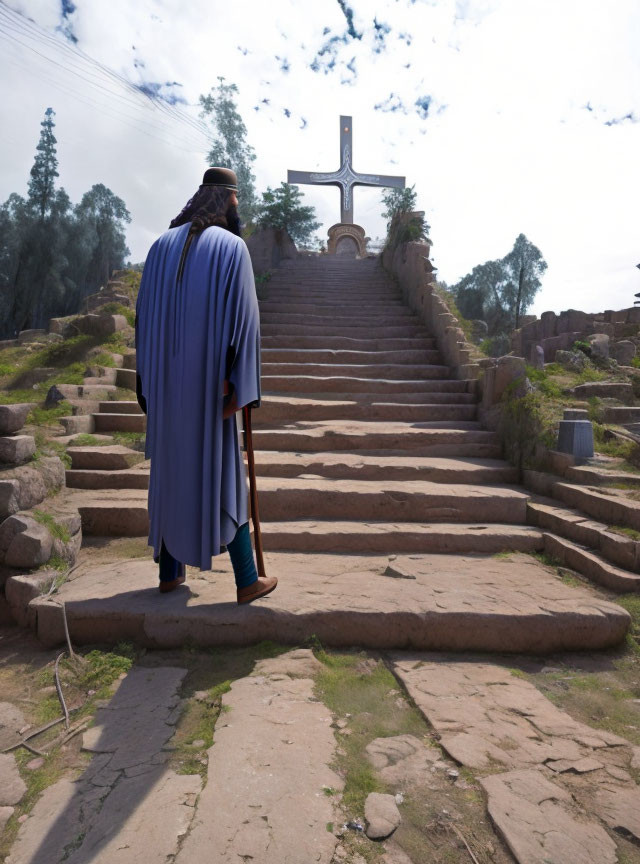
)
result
[(253, 491)]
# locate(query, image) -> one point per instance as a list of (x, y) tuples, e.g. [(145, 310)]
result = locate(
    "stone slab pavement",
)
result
[(443, 602), (552, 783), (263, 801)]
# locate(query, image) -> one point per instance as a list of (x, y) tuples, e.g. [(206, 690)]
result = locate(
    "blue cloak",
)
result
[(190, 336)]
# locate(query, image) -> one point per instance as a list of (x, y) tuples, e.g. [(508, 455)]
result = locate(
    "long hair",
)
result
[(209, 206)]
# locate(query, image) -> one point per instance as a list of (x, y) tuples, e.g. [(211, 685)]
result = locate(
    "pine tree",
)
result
[(282, 208), (45, 168), (230, 148)]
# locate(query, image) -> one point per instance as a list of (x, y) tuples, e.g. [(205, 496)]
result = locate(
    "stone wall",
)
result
[(268, 247), (558, 333), (489, 377)]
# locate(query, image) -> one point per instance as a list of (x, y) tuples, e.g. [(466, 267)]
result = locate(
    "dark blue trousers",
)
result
[(240, 552)]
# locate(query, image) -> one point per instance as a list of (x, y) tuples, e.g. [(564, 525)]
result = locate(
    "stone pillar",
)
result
[(575, 434)]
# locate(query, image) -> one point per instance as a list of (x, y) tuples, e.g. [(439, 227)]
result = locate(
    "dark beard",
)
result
[(233, 221)]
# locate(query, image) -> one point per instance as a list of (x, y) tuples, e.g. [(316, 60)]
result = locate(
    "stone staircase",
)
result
[(365, 442), (372, 468)]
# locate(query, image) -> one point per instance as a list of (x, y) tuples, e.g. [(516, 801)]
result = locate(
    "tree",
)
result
[(45, 168), (230, 148), (499, 292), (282, 208), (524, 267), (104, 216), (404, 223)]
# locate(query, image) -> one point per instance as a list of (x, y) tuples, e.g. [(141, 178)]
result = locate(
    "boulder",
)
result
[(12, 417), (64, 327), (623, 351), (574, 360), (25, 486), (548, 325), (17, 448), (30, 543), (30, 335), (100, 325), (599, 345), (382, 815)]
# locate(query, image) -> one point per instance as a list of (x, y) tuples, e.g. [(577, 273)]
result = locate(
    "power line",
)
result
[(16, 23)]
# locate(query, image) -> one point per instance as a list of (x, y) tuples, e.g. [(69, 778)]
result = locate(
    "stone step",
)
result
[(398, 538), (604, 389), (428, 397), (428, 356), (391, 331), (360, 321), (305, 384), (111, 422), (347, 343), (126, 378), (107, 375), (113, 457), (280, 410), (591, 565), (113, 512), (611, 509), (129, 360), (596, 476), (86, 391), (447, 603), (358, 466), (382, 370), (392, 438), (386, 500), (574, 525), (314, 306), (83, 405), (120, 407), (623, 414), (125, 478)]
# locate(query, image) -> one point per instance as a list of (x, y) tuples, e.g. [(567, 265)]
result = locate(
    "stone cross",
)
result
[(345, 177)]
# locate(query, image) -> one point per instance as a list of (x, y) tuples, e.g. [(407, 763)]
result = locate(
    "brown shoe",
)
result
[(171, 586), (259, 588)]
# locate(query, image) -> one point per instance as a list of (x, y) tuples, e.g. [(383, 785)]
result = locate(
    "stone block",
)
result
[(536, 356), (30, 543), (573, 321), (602, 327), (17, 448), (633, 315), (623, 351), (508, 370), (30, 335), (576, 437), (571, 359), (562, 342), (599, 345), (12, 417), (548, 325)]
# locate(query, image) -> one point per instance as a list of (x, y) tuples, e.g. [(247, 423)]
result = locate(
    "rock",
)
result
[(30, 335), (509, 370), (12, 417), (53, 397), (395, 855), (100, 325), (12, 786), (5, 814), (620, 809), (25, 486), (35, 764), (17, 448), (382, 815), (29, 542), (536, 357), (537, 821), (623, 351), (11, 721), (599, 345), (604, 389), (575, 360), (402, 759), (397, 573)]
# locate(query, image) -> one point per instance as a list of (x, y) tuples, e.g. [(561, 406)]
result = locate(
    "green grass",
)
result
[(61, 532), (624, 530), (40, 416)]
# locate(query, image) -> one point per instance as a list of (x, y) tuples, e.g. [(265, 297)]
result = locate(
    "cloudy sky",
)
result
[(509, 116)]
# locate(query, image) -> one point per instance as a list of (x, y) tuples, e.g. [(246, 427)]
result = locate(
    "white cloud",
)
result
[(508, 144)]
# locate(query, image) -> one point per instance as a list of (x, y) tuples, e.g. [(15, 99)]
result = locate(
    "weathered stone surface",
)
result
[(5, 814), (264, 798), (12, 417), (571, 359), (623, 351), (29, 542), (620, 809), (17, 448), (485, 713), (454, 602), (402, 759), (394, 854), (12, 786), (137, 722), (11, 721), (382, 815), (538, 823), (599, 345), (604, 389), (25, 486)]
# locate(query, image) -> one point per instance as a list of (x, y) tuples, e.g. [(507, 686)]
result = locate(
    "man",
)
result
[(198, 362)]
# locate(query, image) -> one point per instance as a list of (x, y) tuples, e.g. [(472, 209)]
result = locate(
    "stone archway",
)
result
[(347, 240)]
